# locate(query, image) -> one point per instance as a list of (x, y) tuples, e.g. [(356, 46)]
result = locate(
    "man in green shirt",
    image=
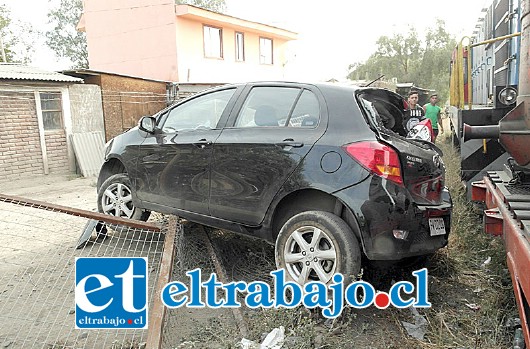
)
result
[(433, 112)]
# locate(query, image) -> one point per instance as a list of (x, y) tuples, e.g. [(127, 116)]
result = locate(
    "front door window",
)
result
[(203, 112)]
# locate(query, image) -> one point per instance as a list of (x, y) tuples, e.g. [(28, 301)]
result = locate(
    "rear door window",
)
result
[(279, 107), (307, 111)]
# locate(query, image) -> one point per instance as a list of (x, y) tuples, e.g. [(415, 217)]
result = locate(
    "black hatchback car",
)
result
[(324, 172)]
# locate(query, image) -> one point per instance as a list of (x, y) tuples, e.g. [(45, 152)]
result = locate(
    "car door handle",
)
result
[(289, 142), (201, 143)]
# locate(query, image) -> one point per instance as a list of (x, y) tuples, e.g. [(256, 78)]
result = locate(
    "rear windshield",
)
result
[(384, 109)]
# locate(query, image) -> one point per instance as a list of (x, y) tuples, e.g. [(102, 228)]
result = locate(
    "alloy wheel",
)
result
[(117, 201), (310, 255)]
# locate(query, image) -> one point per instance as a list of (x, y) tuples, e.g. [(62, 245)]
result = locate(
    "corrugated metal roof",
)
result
[(23, 72), (90, 72)]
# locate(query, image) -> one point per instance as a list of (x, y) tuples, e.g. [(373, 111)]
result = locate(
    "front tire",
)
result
[(115, 198), (314, 245)]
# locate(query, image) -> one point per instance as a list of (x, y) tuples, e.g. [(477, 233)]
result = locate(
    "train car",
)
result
[(484, 84), (506, 193)]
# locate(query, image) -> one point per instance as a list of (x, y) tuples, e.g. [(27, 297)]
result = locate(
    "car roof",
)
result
[(288, 82)]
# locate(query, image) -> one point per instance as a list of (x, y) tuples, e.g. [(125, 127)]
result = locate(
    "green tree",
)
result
[(63, 38), (395, 56), (400, 52), (5, 21), (439, 45), (212, 5), (410, 59), (18, 48)]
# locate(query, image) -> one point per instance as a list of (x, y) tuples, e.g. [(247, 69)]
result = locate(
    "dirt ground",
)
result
[(64, 190)]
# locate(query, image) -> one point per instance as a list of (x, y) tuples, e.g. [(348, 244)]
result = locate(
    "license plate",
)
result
[(437, 226)]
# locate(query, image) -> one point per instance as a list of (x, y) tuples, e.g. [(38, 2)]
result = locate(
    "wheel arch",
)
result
[(312, 200), (304, 262), (110, 167)]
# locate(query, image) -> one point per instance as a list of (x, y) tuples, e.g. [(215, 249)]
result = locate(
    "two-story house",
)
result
[(157, 39)]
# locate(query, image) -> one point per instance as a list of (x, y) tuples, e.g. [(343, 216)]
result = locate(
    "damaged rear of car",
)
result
[(408, 211)]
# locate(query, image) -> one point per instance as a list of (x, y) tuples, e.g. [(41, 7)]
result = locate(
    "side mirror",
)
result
[(147, 124)]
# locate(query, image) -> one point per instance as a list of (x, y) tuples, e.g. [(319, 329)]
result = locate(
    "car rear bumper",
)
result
[(393, 227)]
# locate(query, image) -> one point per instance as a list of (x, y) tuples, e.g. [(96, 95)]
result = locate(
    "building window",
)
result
[(213, 42), (265, 51), (240, 47), (52, 111)]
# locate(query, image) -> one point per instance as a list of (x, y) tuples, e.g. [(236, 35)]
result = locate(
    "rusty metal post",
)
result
[(158, 311), (18, 200)]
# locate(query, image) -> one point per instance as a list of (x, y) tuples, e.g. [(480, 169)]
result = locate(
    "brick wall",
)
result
[(20, 151), (56, 149)]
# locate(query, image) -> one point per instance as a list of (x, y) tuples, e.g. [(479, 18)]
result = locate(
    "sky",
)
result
[(332, 34)]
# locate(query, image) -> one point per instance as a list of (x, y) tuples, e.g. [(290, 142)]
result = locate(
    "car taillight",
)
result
[(378, 158)]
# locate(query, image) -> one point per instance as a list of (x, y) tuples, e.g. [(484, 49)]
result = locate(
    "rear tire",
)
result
[(314, 245), (115, 199)]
